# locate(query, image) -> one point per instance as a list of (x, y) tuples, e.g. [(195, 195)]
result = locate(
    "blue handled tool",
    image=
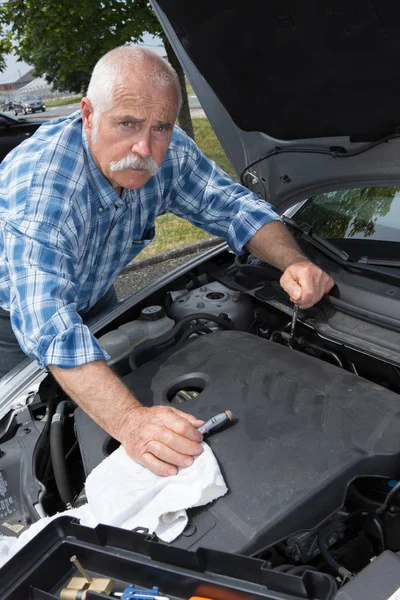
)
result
[(133, 593)]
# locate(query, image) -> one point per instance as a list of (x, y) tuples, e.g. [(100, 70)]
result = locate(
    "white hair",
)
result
[(113, 67)]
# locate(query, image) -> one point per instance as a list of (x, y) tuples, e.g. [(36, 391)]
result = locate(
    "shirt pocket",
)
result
[(137, 245), (146, 239)]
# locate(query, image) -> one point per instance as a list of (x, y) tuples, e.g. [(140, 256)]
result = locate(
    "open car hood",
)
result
[(311, 84)]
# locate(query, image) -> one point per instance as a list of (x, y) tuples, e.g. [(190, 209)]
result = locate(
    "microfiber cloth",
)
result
[(122, 493)]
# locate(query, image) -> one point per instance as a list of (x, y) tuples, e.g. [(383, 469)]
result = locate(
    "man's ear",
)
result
[(87, 113)]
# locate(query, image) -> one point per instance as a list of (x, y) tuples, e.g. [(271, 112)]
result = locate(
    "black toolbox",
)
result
[(43, 568)]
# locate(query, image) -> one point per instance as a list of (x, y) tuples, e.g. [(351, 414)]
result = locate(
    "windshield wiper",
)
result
[(380, 262), (317, 241), (339, 256)]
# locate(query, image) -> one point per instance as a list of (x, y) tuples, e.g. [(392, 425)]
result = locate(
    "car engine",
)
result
[(311, 459)]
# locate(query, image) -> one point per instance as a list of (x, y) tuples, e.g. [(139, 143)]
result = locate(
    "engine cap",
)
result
[(152, 313)]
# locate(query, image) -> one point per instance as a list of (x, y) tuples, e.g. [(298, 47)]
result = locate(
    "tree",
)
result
[(63, 40), (5, 45)]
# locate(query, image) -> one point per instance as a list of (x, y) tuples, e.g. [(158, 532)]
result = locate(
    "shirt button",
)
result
[(100, 209), (63, 338)]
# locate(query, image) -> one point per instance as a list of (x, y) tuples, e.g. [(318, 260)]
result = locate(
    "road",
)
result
[(52, 112)]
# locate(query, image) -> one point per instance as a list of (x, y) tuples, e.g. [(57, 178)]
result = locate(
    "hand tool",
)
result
[(293, 326), (216, 422), (78, 587), (134, 593)]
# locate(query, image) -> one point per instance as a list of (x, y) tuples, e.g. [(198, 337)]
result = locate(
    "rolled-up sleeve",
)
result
[(43, 291), (209, 198)]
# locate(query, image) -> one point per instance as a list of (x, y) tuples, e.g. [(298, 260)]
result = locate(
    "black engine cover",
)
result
[(305, 430)]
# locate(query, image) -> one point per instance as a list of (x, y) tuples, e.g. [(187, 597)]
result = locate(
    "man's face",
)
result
[(133, 136)]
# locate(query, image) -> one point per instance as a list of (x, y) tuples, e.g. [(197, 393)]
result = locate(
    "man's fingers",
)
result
[(162, 438), (179, 423), (291, 286), (305, 283), (192, 420), (178, 443), (168, 455), (157, 466)]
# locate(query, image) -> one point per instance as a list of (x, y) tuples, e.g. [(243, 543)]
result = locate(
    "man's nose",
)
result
[(142, 145)]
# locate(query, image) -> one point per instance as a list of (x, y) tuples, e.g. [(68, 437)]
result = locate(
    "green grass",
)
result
[(63, 101), (172, 231), (208, 142), (189, 88)]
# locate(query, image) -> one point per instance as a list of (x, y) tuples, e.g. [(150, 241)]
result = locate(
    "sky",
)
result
[(16, 69)]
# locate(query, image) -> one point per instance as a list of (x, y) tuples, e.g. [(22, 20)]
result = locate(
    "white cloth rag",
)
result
[(122, 493)]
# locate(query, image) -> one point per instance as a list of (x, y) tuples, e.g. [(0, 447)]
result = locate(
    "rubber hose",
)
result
[(153, 348), (325, 553), (57, 452), (191, 330)]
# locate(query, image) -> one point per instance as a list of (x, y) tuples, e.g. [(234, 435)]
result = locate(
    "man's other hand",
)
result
[(305, 283), (161, 438)]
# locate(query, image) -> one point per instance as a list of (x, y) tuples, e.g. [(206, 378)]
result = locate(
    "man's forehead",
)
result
[(144, 94), (159, 113)]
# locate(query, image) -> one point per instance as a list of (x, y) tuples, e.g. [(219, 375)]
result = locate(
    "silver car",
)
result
[(28, 103)]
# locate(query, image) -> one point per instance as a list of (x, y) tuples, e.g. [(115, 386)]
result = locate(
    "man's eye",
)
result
[(162, 128), (126, 123)]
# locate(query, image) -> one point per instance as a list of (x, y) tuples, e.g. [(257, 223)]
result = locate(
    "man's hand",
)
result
[(305, 283), (302, 280), (161, 438)]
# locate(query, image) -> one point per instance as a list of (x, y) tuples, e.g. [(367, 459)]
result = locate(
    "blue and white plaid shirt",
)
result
[(65, 234)]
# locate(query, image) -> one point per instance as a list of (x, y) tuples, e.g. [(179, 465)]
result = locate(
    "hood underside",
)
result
[(316, 73), (297, 70)]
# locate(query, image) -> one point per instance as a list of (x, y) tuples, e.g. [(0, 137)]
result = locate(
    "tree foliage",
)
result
[(63, 39), (5, 42)]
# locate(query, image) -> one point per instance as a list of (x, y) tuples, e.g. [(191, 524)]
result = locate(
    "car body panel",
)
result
[(13, 132), (302, 167)]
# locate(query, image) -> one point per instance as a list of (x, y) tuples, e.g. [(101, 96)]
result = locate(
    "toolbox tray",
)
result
[(42, 568)]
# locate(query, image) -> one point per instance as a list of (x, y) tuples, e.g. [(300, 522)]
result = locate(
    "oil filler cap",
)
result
[(152, 313)]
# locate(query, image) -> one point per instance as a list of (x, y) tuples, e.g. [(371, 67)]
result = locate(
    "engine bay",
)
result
[(313, 460)]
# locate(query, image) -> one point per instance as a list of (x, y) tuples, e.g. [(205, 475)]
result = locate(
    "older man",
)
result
[(78, 201)]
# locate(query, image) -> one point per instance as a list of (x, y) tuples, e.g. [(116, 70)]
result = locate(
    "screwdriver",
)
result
[(293, 326)]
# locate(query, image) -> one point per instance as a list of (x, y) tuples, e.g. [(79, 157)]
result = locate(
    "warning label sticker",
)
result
[(3, 485), (7, 505)]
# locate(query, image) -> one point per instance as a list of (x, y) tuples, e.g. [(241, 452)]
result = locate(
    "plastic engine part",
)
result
[(305, 430), (214, 298)]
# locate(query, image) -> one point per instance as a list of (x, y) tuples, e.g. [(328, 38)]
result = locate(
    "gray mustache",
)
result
[(135, 162)]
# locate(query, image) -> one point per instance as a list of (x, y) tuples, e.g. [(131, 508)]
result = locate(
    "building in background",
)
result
[(13, 86)]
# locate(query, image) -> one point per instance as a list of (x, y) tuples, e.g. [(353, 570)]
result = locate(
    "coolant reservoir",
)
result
[(151, 324)]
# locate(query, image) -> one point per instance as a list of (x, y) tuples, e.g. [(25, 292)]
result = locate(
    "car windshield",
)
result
[(29, 97), (371, 213)]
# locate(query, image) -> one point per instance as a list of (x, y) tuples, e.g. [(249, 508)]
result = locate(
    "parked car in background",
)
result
[(14, 131), (28, 103), (6, 104)]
